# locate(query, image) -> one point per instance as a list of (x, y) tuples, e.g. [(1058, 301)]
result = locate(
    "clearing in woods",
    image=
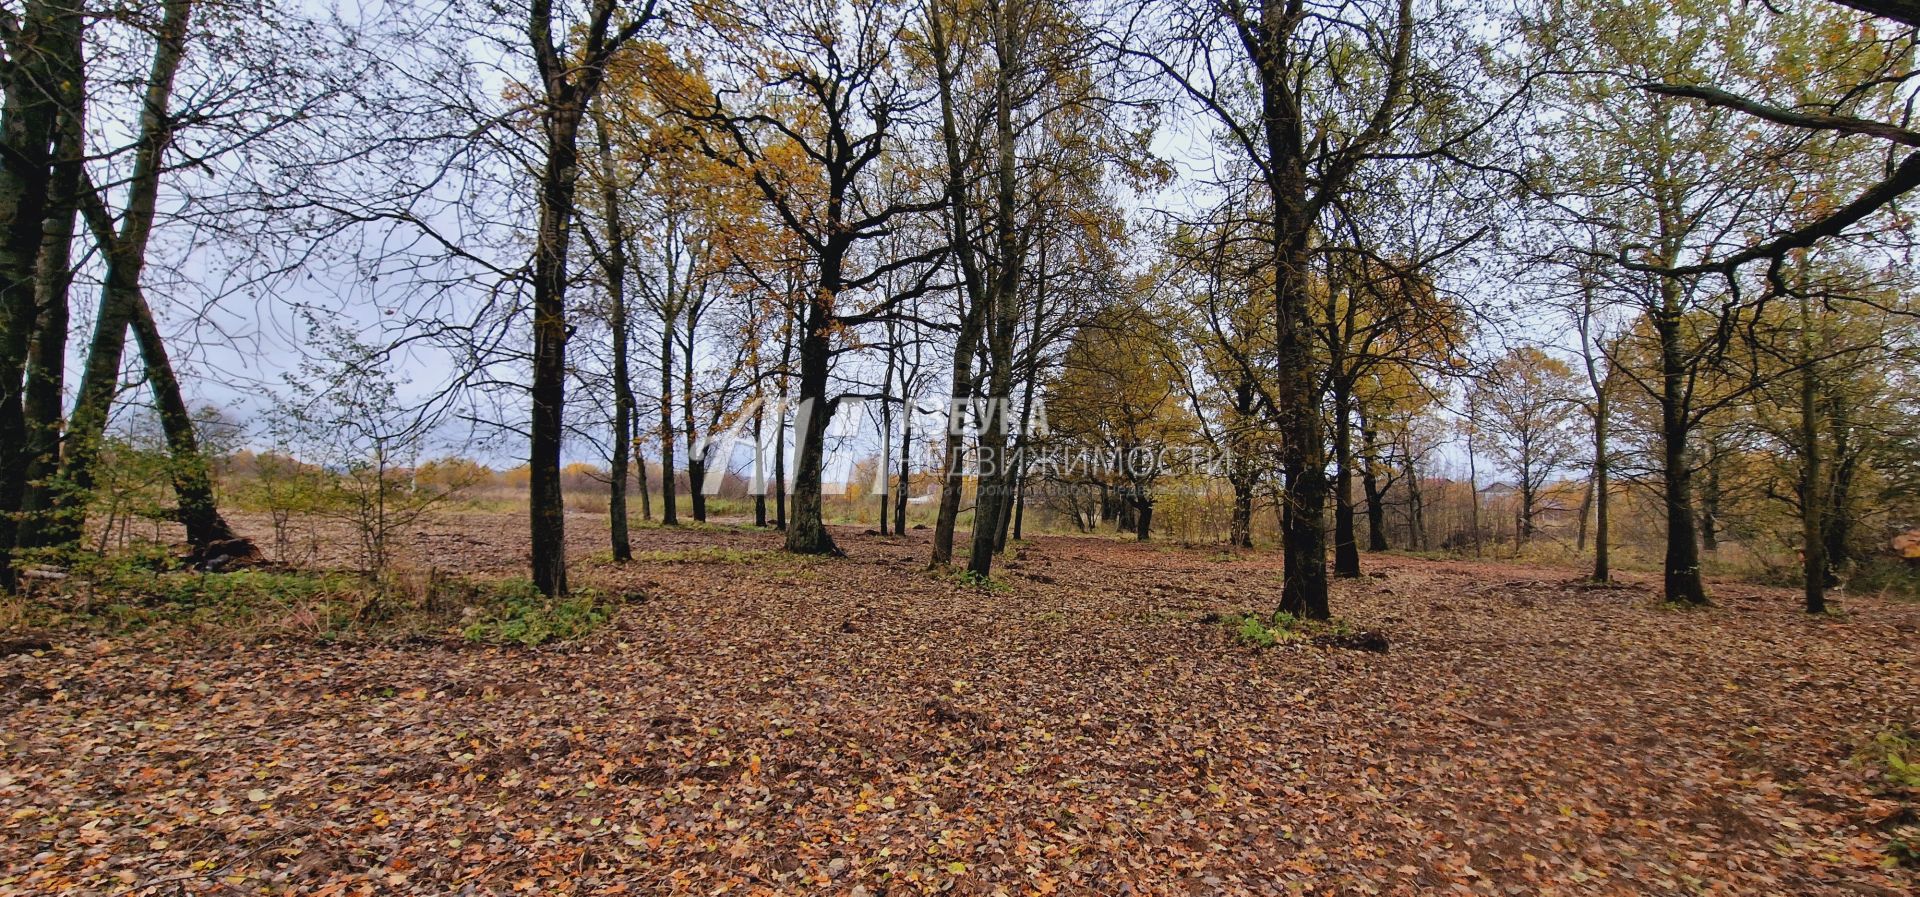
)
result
[(759, 723)]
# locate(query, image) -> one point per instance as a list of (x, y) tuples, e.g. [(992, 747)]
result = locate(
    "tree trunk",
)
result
[(1303, 536), (780, 433), (906, 481), (1838, 535), (1813, 545), (614, 269), (1523, 530), (885, 457), (1240, 522), (1240, 468), (1710, 503), (191, 473), (1473, 490), (1370, 485), (1346, 548), (759, 467), (669, 487), (973, 318), (1602, 489), (1416, 507), (696, 453), (547, 512), (1585, 513), (1683, 584), (807, 531), (44, 42), (47, 351), (642, 480), (120, 296)]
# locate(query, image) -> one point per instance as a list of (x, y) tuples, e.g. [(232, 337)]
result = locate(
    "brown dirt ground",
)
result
[(771, 725)]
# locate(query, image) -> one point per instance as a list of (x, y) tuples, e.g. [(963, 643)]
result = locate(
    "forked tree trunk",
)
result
[(973, 319), (123, 305)]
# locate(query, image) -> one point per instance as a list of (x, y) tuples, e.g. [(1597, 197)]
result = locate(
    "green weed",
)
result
[(519, 614)]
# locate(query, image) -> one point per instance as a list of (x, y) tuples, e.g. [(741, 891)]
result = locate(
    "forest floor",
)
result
[(752, 722)]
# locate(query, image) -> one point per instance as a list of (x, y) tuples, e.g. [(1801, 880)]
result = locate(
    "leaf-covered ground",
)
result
[(765, 724)]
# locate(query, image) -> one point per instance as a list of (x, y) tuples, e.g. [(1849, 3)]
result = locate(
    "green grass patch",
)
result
[(1286, 629), (147, 591), (518, 614), (720, 554), (962, 576)]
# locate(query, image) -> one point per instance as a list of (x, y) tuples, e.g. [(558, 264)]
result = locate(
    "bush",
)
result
[(1886, 577)]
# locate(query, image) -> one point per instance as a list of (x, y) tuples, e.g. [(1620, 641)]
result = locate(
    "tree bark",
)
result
[(1682, 581), (807, 531), (123, 305), (1813, 544), (995, 498), (1838, 535), (45, 40), (569, 81), (669, 489), (973, 317), (780, 431), (1370, 485), (614, 269), (885, 456), (696, 453), (641, 484), (906, 480), (759, 472), (1710, 503), (1346, 548), (47, 350), (1303, 535), (192, 474), (1602, 489)]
